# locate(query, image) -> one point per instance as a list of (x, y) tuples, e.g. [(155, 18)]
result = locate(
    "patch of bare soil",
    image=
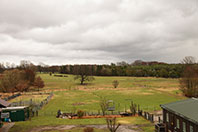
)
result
[(97, 116), (144, 93), (5, 95), (6, 127), (51, 90), (167, 89), (78, 103), (134, 91)]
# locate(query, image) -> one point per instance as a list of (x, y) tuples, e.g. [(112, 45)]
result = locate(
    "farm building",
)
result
[(15, 113), (181, 116), (3, 104)]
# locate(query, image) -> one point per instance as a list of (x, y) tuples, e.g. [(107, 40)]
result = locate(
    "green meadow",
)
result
[(69, 96)]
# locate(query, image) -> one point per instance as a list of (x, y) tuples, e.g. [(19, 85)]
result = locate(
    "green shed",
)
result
[(15, 113)]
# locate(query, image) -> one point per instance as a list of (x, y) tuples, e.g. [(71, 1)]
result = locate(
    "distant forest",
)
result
[(153, 70), (136, 69)]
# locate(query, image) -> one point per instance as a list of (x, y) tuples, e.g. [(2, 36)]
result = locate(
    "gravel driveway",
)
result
[(122, 128)]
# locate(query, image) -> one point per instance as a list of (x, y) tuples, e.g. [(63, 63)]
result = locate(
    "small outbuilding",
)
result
[(3, 104), (181, 116), (15, 113)]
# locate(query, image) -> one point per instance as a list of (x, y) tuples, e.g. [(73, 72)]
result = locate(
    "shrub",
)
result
[(80, 113), (89, 129), (115, 83)]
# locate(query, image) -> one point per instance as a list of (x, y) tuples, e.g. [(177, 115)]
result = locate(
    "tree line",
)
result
[(155, 70), (136, 69)]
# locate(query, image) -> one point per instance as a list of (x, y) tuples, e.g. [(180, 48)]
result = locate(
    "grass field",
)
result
[(34, 98), (149, 93)]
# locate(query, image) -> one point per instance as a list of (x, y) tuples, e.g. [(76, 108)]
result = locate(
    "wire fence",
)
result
[(86, 113), (12, 97), (34, 105)]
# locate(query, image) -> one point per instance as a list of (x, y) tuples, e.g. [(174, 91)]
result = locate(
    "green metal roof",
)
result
[(187, 109)]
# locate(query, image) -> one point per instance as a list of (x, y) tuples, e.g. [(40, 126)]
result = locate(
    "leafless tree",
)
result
[(103, 105), (83, 73), (39, 83), (111, 124), (189, 79), (189, 60)]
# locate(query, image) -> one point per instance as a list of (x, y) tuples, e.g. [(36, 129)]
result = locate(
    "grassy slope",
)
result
[(148, 92)]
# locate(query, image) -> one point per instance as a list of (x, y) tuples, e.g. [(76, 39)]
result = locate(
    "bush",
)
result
[(80, 113), (89, 129), (115, 83)]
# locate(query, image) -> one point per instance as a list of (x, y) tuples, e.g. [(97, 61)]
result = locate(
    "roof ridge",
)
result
[(179, 101)]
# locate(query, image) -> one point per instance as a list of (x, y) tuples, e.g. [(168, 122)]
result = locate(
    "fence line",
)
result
[(35, 93), (35, 106), (12, 97), (151, 117)]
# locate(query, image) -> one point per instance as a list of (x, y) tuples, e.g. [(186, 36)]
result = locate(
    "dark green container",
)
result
[(17, 113)]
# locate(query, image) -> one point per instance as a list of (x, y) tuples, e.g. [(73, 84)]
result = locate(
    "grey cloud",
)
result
[(93, 31)]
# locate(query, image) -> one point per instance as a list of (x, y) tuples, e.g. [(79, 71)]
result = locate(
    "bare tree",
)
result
[(22, 86), (189, 60), (111, 124), (103, 105), (137, 62), (19, 80), (83, 73), (189, 79), (122, 63), (2, 67), (10, 79), (39, 83)]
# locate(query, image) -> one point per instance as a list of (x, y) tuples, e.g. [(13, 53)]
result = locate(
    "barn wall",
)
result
[(172, 124)]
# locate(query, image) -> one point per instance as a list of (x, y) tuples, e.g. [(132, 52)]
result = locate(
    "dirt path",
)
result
[(6, 127), (122, 128)]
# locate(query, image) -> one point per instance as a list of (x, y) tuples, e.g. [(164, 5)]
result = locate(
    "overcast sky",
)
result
[(97, 31)]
